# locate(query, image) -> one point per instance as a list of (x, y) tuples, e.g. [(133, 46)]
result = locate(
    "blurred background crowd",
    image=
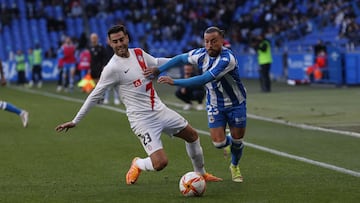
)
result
[(169, 27)]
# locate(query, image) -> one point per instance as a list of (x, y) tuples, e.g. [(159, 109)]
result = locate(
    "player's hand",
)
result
[(151, 72), (65, 126), (166, 80)]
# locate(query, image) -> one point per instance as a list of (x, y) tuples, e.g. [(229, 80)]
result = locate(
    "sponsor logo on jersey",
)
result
[(137, 83)]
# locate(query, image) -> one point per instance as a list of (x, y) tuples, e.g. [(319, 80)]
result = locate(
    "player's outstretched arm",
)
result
[(198, 80), (65, 126)]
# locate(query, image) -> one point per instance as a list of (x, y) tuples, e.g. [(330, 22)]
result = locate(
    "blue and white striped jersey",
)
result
[(226, 89)]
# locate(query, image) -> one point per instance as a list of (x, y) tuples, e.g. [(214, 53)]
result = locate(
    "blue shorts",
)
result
[(68, 67), (233, 116)]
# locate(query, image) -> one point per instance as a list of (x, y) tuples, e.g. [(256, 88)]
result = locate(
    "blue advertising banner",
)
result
[(352, 66), (249, 67), (277, 67), (334, 65), (49, 70), (297, 64)]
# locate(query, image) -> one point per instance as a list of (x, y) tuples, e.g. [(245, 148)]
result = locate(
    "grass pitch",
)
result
[(89, 163)]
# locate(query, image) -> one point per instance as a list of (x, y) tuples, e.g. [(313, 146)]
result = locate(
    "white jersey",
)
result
[(136, 91)]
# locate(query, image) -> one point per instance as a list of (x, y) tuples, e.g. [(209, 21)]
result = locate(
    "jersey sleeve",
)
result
[(152, 61), (107, 79)]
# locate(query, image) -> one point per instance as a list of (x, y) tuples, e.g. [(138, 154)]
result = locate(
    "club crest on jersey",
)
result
[(137, 83), (224, 59), (140, 58), (211, 119)]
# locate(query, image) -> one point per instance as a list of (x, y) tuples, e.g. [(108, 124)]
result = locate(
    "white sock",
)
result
[(196, 155), (145, 164)]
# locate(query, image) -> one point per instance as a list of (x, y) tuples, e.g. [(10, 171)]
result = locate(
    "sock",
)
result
[(237, 147), (195, 152), (145, 164), (9, 107)]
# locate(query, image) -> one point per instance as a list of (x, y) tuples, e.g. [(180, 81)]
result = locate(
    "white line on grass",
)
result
[(297, 125), (255, 146), (304, 126), (298, 158)]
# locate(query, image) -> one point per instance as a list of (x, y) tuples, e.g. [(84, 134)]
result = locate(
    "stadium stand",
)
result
[(166, 27)]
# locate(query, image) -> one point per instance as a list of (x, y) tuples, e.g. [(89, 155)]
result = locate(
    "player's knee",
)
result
[(221, 144), (188, 134)]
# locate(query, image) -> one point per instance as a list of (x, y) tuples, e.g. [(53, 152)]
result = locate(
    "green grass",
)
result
[(88, 163)]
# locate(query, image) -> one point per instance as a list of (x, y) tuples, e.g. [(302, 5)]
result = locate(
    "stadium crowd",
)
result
[(165, 20)]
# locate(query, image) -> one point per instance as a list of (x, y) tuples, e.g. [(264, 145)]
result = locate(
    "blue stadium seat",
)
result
[(58, 12), (79, 22), (22, 8), (70, 27), (2, 49), (119, 14), (49, 11)]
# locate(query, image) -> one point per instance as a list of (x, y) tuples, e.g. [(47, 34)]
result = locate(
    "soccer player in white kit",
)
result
[(147, 115)]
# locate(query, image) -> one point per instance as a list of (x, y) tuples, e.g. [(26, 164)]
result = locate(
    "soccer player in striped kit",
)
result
[(225, 93), (147, 114)]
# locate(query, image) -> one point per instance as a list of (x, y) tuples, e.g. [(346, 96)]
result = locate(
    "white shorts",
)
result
[(149, 130)]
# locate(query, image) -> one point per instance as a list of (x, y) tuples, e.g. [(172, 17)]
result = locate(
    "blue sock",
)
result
[(237, 147), (12, 108)]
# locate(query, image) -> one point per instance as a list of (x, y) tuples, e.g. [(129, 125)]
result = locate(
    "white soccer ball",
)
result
[(192, 184)]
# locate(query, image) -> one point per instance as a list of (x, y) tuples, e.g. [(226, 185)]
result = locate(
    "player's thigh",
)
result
[(172, 122), (217, 134), (217, 121), (149, 134), (237, 121), (236, 116)]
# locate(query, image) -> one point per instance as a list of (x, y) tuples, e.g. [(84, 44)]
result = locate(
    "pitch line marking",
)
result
[(297, 125), (298, 158), (255, 146)]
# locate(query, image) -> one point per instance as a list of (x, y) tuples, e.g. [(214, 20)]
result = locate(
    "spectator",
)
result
[(69, 63), (316, 71), (98, 57), (319, 48), (20, 67), (263, 49), (84, 62), (36, 68), (193, 93), (60, 66)]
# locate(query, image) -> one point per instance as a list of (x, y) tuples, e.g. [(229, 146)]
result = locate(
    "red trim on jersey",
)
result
[(149, 86)]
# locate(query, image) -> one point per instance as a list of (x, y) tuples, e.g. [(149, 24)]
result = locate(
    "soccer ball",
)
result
[(192, 184)]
